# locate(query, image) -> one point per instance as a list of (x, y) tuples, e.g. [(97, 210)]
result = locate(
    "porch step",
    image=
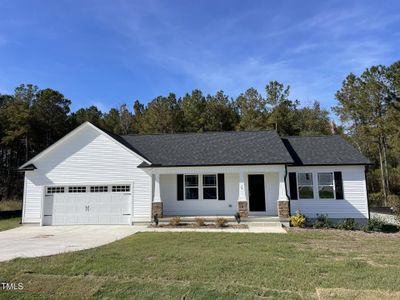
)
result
[(263, 224), (189, 219)]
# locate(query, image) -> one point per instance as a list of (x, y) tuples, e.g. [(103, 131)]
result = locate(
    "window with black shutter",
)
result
[(293, 185), (338, 185), (180, 187)]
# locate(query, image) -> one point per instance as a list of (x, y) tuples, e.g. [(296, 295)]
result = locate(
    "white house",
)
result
[(91, 176)]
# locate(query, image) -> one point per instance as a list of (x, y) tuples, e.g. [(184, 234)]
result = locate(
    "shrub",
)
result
[(322, 221), (393, 200), (298, 220), (375, 224), (347, 224), (375, 199), (238, 217), (200, 222), (365, 228), (221, 222), (175, 221), (155, 219), (390, 228)]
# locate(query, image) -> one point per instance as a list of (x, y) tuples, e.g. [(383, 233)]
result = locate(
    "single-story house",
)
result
[(91, 176)]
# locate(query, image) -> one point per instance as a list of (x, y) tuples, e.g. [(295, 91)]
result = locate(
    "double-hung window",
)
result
[(326, 187), (191, 187), (305, 185), (210, 187)]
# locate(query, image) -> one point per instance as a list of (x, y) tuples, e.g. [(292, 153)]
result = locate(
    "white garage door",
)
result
[(92, 204)]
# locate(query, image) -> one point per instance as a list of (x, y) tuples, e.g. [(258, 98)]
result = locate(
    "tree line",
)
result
[(31, 119)]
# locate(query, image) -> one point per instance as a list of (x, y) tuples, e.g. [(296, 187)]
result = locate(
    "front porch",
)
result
[(210, 192)]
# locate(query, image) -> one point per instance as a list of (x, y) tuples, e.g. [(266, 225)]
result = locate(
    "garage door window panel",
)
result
[(121, 188), (77, 189), (99, 189), (55, 189)]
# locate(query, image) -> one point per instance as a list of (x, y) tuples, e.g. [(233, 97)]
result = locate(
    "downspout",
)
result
[(366, 191)]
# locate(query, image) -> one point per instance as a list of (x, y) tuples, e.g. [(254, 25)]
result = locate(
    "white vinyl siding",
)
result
[(171, 206), (228, 207), (354, 204), (32, 199), (90, 157)]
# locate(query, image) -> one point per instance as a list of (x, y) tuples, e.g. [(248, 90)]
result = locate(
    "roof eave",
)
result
[(211, 165)]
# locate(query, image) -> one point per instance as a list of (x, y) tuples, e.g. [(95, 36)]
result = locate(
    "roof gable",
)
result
[(323, 150), (69, 136)]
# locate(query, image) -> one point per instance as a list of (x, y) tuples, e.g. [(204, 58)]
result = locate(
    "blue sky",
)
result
[(111, 52)]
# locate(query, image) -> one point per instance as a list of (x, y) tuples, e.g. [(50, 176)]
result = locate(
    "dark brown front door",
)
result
[(256, 193)]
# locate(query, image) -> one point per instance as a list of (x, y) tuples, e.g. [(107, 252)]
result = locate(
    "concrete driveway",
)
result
[(33, 240)]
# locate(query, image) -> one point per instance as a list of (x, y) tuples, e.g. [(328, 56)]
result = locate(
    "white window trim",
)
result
[(198, 187), (312, 185), (333, 185), (210, 186)]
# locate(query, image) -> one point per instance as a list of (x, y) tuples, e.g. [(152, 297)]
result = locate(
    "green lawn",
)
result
[(298, 265), (9, 223)]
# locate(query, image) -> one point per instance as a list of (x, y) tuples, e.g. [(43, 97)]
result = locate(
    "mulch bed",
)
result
[(193, 225)]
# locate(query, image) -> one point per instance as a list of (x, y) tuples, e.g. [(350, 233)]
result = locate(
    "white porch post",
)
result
[(283, 201), (242, 200), (157, 205), (157, 194)]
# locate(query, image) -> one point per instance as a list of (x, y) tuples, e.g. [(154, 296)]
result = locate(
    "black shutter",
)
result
[(180, 187), (339, 185), (221, 187), (293, 185)]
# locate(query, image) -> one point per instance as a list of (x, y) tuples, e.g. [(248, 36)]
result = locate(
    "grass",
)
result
[(298, 265), (10, 214), (9, 223)]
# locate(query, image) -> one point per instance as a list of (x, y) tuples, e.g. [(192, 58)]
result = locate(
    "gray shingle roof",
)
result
[(323, 150), (211, 148)]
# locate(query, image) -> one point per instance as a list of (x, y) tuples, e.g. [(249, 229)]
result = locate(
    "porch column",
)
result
[(242, 200), (283, 201), (157, 205)]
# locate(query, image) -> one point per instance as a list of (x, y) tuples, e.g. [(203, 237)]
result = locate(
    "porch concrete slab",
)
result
[(34, 240)]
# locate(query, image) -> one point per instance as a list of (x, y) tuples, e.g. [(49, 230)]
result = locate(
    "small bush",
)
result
[(375, 199), (200, 222), (365, 228), (221, 222), (238, 218), (175, 221), (375, 224), (347, 224), (393, 200), (155, 219), (390, 228), (322, 221), (298, 220)]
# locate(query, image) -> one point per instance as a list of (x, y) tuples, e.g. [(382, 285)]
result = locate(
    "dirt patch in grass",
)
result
[(356, 294)]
